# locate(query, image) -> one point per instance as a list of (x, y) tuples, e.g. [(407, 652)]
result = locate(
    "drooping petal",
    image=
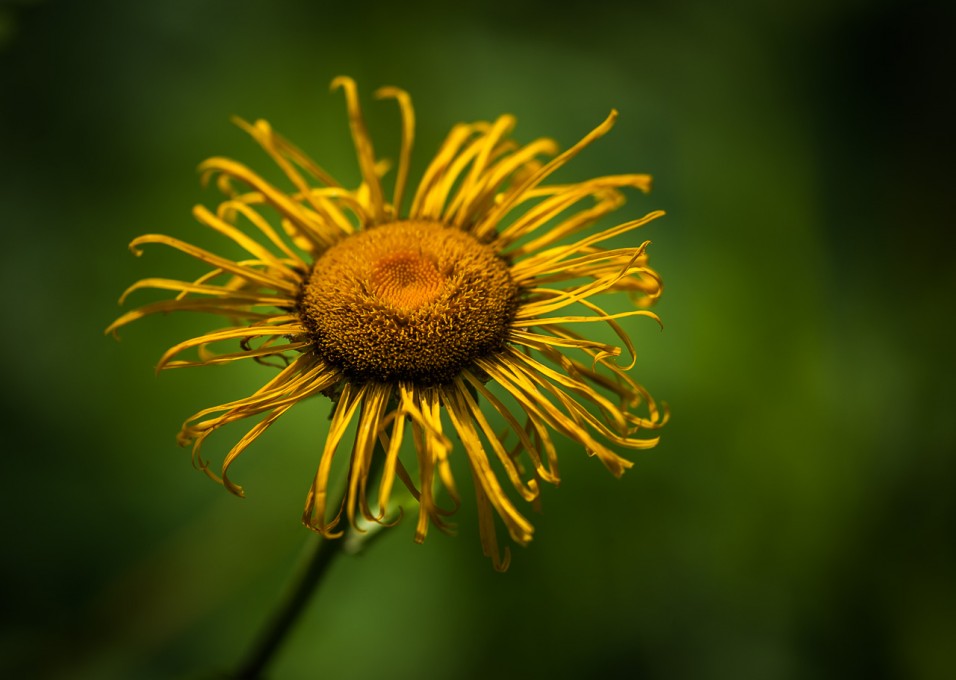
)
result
[(408, 141), (363, 146), (314, 515)]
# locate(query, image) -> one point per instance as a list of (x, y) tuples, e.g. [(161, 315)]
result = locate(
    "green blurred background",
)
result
[(798, 519)]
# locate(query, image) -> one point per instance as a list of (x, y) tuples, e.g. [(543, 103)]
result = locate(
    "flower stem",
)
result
[(288, 613)]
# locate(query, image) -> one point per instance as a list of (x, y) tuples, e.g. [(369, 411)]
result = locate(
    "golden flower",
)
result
[(465, 304)]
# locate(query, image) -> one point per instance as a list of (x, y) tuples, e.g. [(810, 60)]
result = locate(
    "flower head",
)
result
[(458, 312)]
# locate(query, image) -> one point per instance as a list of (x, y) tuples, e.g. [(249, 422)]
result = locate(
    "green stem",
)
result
[(289, 612)]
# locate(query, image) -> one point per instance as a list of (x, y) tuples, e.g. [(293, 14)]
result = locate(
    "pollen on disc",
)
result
[(407, 279), (410, 300)]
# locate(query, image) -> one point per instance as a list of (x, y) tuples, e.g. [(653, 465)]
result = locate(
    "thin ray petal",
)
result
[(363, 145), (494, 216), (408, 140)]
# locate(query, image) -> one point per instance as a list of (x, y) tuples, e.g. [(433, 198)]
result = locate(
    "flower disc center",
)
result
[(407, 279), (414, 300)]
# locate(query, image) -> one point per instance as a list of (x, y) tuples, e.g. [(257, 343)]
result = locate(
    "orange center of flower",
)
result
[(414, 301), (407, 280)]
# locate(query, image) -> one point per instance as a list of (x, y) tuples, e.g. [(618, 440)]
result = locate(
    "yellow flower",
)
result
[(465, 304)]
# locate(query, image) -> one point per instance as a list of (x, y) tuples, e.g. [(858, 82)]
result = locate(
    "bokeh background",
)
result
[(798, 519)]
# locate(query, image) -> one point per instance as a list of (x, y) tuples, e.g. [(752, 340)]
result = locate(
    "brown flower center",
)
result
[(413, 301), (407, 280)]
